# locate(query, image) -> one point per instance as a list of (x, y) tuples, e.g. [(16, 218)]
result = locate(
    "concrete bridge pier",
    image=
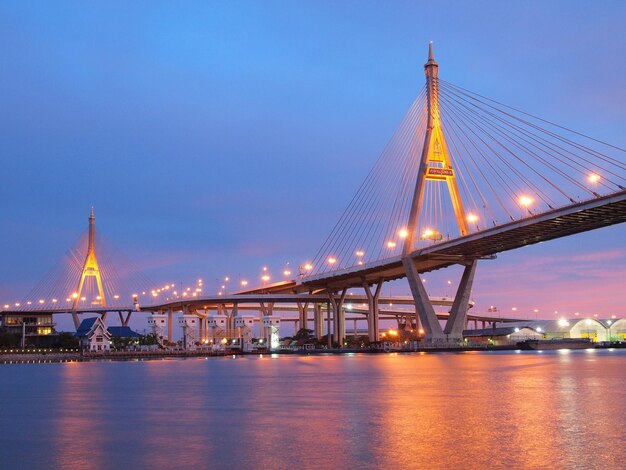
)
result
[(423, 307), (453, 331), (458, 312), (318, 321), (302, 315), (328, 327), (373, 310), (170, 317), (339, 322), (230, 319), (124, 321), (264, 310), (205, 325), (200, 325)]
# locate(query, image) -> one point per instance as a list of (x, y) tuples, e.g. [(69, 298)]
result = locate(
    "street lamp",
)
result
[(472, 219), (594, 179), (526, 202)]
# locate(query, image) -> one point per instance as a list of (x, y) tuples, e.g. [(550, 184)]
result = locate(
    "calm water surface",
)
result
[(467, 410)]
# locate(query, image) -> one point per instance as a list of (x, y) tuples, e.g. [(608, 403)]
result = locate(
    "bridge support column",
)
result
[(264, 310), (305, 317), (328, 329), (318, 321), (458, 314), (76, 320), (123, 321), (423, 307), (170, 318), (373, 310), (339, 322), (200, 325), (302, 315), (230, 319)]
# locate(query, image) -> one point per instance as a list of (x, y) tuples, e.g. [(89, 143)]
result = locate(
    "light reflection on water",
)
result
[(470, 410)]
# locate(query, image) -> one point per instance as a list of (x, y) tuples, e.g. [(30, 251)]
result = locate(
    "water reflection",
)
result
[(470, 410)]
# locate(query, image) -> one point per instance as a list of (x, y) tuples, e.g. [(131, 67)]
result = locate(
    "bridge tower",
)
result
[(90, 269), (435, 166), (435, 160)]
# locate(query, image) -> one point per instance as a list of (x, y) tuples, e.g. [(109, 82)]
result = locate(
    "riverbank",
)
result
[(74, 356), (48, 356)]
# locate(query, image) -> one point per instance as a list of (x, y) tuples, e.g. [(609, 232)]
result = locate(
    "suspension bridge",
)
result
[(463, 178)]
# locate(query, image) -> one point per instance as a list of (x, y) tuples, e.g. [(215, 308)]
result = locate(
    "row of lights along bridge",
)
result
[(429, 234)]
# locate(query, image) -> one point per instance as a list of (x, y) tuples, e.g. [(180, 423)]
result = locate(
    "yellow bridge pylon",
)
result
[(90, 269), (435, 164)]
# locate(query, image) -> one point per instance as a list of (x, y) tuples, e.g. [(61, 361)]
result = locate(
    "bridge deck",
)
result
[(569, 220)]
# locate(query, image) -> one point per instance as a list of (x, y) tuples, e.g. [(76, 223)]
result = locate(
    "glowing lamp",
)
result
[(431, 235), (526, 201)]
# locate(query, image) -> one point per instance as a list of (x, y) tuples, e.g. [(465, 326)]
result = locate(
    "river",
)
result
[(439, 410)]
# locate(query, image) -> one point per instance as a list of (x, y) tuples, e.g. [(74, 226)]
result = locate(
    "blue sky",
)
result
[(217, 137)]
